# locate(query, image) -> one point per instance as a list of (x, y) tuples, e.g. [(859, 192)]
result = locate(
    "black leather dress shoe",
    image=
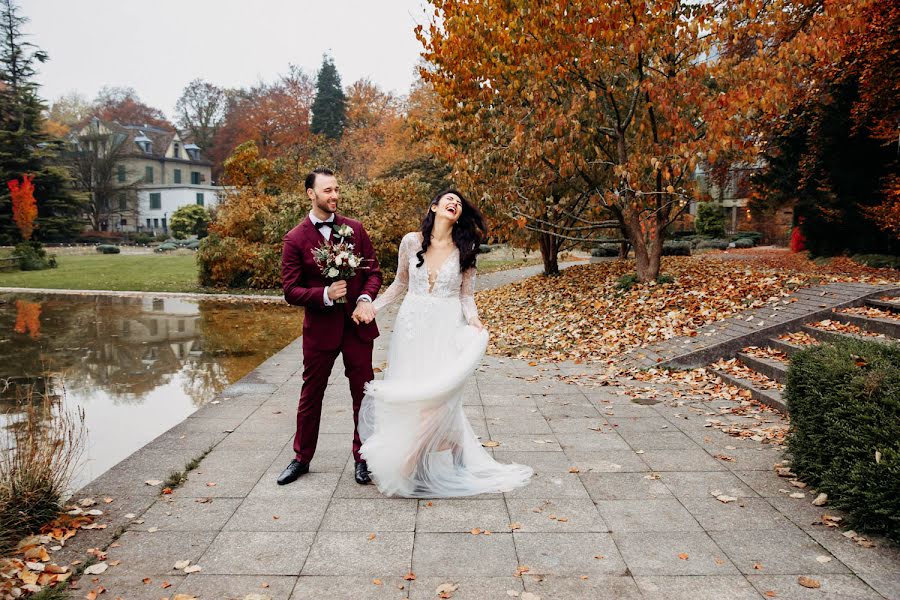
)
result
[(362, 474), (292, 472)]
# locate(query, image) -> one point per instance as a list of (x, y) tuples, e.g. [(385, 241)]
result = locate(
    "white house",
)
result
[(159, 172), (172, 173)]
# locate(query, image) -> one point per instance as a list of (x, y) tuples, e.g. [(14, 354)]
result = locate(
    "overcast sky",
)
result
[(158, 46)]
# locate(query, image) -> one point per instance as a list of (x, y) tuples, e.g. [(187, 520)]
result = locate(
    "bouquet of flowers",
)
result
[(338, 260)]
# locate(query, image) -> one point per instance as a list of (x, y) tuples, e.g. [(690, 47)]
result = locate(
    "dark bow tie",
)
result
[(322, 224)]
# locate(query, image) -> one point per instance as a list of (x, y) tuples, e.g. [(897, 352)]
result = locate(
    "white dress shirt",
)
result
[(327, 233)]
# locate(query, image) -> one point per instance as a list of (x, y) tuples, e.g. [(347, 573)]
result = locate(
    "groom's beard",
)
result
[(325, 205)]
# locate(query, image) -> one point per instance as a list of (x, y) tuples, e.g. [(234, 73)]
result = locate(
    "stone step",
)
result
[(887, 327), (833, 336), (884, 304), (768, 397), (771, 368), (786, 347)]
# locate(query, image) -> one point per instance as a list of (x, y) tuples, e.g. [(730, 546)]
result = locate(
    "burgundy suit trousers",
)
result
[(317, 365)]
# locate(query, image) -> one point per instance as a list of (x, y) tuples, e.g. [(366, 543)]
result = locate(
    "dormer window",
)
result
[(176, 150), (143, 142), (193, 151)]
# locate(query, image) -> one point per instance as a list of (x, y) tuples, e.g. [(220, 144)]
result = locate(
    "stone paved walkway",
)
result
[(621, 506)]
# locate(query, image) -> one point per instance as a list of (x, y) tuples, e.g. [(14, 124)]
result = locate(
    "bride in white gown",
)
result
[(417, 440)]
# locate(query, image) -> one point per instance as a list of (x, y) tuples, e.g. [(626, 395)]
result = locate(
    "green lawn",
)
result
[(121, 272), (150, 273)]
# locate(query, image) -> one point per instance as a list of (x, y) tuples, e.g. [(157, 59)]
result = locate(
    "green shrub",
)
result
[(626, 282), (108, 249), (676, 248), (142, 238), (190, 219), (605, 251), (744, 243), (710, 220), (715, 244), (878, 261), (484, 249), (844, 401), (166, 247), (33, 257), (753, 235)]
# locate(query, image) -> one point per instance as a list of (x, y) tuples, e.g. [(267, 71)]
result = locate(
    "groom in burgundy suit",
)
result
[(329, 328)]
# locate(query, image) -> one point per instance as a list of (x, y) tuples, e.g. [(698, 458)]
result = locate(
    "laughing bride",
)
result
[(417, 440)]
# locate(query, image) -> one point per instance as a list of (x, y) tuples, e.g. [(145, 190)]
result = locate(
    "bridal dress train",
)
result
[(417, 440)]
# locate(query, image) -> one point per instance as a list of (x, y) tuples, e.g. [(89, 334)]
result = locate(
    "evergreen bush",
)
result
[(844, 440), (710, 220), (33, 257)]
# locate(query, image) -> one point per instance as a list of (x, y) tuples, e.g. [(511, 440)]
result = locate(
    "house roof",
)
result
[(160, 140)]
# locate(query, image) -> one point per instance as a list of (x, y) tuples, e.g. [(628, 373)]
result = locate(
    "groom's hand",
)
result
[(336, 290), (364, 313)]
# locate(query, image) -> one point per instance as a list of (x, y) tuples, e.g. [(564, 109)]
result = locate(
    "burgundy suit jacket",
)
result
[(304, 285)]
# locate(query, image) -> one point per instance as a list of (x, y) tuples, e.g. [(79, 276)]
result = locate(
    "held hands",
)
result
[(336, 290), (364, 313)]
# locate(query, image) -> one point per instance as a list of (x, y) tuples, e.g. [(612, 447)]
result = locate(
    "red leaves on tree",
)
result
[(24, 205)]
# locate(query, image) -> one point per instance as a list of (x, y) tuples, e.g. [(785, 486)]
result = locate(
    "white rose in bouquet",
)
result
[(332, 272)]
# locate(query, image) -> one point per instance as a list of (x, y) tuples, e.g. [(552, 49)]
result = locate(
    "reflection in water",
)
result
[(28, 318), (137, 365)]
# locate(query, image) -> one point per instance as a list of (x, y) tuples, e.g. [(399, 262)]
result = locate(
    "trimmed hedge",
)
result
[(715, 244), (108, 249), (676, 249), (744, 243), (605, 251), (844, 440), (753, 235)]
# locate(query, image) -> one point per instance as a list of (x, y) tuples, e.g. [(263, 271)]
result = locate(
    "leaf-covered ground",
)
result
[(584, 315)]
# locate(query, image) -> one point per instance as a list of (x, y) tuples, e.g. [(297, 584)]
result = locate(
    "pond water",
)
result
[(135, 365)]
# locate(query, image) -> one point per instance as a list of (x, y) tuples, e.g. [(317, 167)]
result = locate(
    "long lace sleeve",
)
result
[(467, 295), (401, 282)]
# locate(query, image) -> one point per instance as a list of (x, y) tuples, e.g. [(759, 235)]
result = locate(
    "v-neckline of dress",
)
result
[(440, 270)]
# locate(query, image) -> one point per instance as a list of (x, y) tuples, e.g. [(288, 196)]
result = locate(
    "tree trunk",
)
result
[(647, 252), (549, 250)]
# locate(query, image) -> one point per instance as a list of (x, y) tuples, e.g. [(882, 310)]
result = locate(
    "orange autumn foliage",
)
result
[(552, 106), (24, 205)]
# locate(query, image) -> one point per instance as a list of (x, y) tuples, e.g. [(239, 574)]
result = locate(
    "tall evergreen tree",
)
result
[(330, 106), (24, 146)]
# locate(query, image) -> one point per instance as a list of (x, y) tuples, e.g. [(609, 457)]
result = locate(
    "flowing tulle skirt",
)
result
[(417, 440)]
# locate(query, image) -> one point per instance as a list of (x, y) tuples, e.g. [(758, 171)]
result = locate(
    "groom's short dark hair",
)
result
[(311, 178)]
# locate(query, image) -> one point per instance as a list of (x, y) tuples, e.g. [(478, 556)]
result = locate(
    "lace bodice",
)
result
[(448, 281)]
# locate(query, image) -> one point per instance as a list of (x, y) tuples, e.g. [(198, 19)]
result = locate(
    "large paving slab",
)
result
[(622, 505)]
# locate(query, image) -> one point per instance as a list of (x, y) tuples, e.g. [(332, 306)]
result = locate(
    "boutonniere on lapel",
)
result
[(344, 231)]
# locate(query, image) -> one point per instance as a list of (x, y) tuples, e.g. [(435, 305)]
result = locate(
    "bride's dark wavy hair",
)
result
[(468, 232)]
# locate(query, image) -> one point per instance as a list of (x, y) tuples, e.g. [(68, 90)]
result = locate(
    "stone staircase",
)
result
[(762, 368)]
